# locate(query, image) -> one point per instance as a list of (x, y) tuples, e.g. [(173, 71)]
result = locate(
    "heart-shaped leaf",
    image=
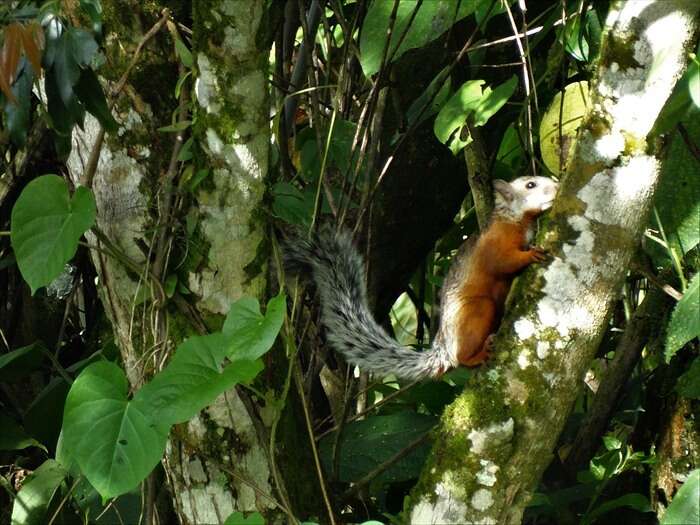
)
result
[(114, 441), (46, 225)]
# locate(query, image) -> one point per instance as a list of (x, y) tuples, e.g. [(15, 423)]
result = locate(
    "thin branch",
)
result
[(314, 450), (367, 479)]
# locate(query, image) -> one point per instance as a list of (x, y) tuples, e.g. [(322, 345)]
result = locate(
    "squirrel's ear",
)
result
[(503, 189)]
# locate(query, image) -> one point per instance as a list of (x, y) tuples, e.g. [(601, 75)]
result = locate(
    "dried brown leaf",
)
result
[(5, 88), (31, 47), (11, 50)]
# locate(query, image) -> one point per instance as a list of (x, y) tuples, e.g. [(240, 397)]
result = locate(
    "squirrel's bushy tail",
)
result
[(338, 271)]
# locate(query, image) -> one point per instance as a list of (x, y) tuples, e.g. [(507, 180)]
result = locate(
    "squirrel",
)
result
[(472, 297)]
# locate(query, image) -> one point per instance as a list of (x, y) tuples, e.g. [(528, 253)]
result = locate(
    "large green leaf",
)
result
[(433, 18), (250, 333), (685, 506), (469, 102), (678, 197), (369, 442), (196, 375), (115, 442), (46, 226), (90, 93), (238, 518), (632, 500), (33, 499), (194, 378), (685, 320), (17, 114)]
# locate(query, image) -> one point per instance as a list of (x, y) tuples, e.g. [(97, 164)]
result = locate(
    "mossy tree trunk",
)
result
[(213, 240), (497, 438)]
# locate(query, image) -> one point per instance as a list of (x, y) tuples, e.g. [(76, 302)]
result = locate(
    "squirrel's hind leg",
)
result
[(475, 324)]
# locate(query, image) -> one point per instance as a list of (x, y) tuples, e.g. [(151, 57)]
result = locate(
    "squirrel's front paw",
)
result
[(538, 254)]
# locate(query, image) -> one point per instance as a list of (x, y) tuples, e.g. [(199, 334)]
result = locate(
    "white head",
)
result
[(524, 195)]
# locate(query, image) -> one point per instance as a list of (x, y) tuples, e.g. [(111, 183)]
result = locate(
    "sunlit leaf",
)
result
[(46, 225), (114, 441), (685, 320), (32, 501)]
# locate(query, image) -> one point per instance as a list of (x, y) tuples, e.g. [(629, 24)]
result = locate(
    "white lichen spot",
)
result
[(557, 309), (206, 87), (551, 378), (494, 435), (524, 359), (611, 193), (482, 500), (524, 328), (132, 120), (493, 375), (559, 344), (196, 471), (446, 507), (487, 475), (542, 349)]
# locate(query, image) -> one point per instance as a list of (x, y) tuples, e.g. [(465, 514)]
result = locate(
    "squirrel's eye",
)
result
[(530, 185)]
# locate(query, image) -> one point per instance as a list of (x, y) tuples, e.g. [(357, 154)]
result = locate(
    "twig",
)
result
[(91, 168), (526, 84), (314, 450), (367, 478), (165, 16)]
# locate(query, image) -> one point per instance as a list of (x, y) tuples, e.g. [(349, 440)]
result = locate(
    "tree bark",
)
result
[(497, 438)]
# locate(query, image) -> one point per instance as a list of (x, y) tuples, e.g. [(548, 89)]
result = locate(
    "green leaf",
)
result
[(470, 102), (18, 363), (689, 383), (89, 91), (635, 501), (685, 506), (250, 333), (238, 518), (494, 100), (81, 45), (575, 41), (178, 126), (677, 199), (432, 20), (369, 442), (66, 70), (184, 53), (290, 205), (194, 378), (114, 441), (17, 115), (93, 8), (46, 225), (63, 117), (685, 320), (453, 114), (694, 82), (32, 502), (612, 443), (13, 436)]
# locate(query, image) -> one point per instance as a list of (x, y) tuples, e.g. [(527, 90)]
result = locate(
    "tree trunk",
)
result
[(219, 462), (497, 438)]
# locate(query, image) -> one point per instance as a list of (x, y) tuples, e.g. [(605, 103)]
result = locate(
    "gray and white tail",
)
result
[(338, 271)]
